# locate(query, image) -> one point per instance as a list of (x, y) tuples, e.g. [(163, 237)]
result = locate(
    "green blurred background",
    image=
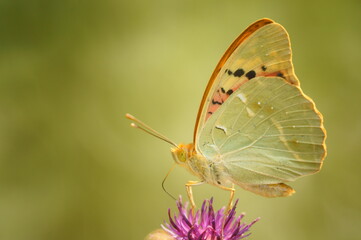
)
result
[(72, 168)]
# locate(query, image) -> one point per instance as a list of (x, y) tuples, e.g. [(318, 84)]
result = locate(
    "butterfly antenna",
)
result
[(139, 124), (165, 178)]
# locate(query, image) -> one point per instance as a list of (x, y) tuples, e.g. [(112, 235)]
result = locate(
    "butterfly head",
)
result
[(182, 153)]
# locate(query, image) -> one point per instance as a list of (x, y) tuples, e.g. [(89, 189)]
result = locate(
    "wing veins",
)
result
[(260, 92), (291, 97), (300, 126), (297, 119), (249, 120), (281, 150), (310, 143), (296, 111), (248, 146), (290, 134), (271, 115), (261, 173)]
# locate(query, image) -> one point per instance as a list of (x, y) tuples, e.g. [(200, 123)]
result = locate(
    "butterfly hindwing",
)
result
[(266, 132)]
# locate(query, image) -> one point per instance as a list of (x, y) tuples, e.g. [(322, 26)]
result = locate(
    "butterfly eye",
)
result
[(182, 156), (179, 155)]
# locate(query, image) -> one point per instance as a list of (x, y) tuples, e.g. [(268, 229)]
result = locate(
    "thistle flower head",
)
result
[(206, 224)]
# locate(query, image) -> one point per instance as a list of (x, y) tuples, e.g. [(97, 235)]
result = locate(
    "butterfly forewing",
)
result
[(266, 132), (265, 52)]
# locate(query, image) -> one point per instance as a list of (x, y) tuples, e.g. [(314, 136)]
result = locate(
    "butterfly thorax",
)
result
[(208, 171), (186, 156)]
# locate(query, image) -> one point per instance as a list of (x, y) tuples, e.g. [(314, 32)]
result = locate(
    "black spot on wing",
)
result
[(216, 102), (229, 72), (251, 74), (264, 68), (229, 92), (239, 72), (280, 75), (223, 91)]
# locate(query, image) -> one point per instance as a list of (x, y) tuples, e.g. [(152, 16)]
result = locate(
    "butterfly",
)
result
[(255, 127)]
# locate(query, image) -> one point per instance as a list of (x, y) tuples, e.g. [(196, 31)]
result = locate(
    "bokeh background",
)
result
[(72, 168)]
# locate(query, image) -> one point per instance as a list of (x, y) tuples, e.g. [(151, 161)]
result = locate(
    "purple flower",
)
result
[(206, 224)]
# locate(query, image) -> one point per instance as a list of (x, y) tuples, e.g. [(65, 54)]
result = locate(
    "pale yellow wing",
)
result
[(263, 49), (266, 132)]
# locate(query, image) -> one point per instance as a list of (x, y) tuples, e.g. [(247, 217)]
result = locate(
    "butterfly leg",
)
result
[(231, 190), (189, 185)]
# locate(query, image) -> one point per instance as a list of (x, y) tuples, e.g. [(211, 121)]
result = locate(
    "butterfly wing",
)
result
[(266, 132), (263, 49), (254, 122)]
